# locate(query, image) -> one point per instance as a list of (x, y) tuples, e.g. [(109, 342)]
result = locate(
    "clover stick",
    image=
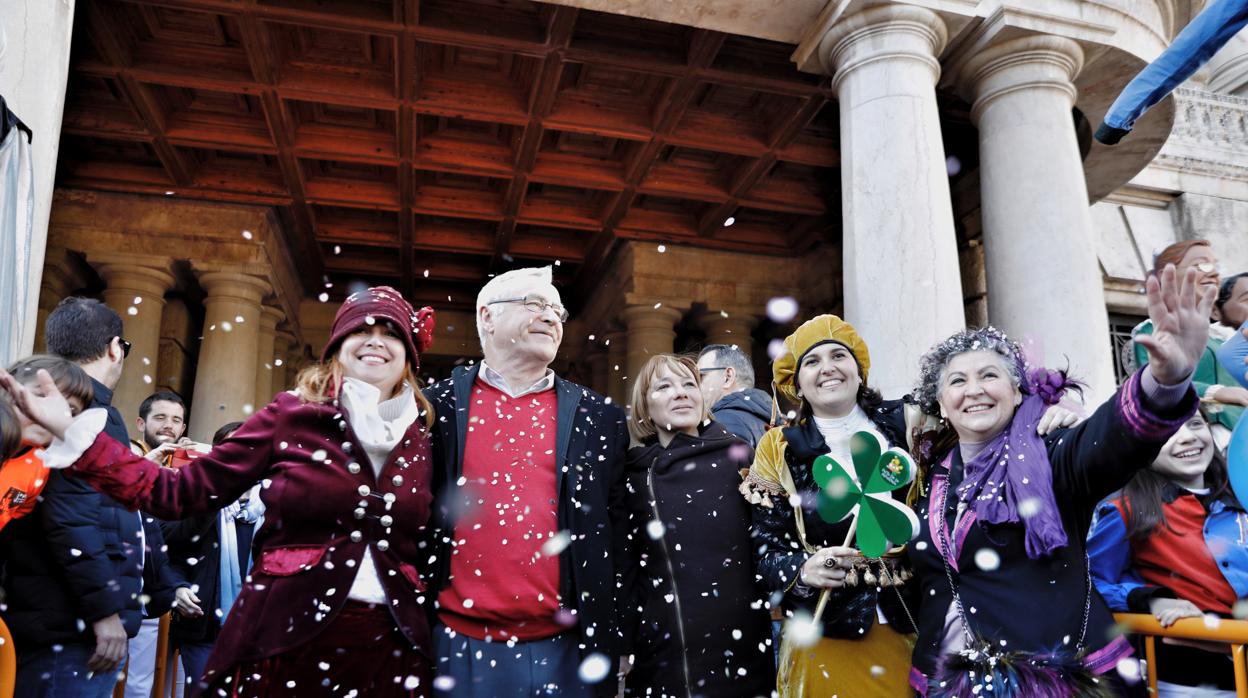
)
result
[(878, 520)]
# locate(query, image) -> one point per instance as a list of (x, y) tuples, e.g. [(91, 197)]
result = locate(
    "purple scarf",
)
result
[(1011, 479)]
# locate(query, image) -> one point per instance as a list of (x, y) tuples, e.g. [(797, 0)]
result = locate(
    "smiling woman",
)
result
[(1004, 512), (346, 472), (693, 606)]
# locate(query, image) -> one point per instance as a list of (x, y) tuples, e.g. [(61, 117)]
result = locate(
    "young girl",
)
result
[(23, 476), (1174, 543)]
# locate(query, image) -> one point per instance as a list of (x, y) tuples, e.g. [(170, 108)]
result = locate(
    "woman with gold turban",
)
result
[(860, 644)]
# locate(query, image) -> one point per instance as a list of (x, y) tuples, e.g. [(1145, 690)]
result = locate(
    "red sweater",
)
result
[(501, 583), (1177, 558)]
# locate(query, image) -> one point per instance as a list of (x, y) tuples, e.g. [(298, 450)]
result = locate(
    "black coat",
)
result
[(850, 611), (73, 560), (195, 559), (590, 442), (703, 628), (1037, 605)]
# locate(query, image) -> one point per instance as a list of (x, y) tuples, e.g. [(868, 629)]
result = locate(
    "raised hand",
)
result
[(1180, 318), (42, 403)]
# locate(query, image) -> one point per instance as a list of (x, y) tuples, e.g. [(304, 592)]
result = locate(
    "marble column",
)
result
[(59, 281), (283, 376), (225, 379), (617, 367), (266, 345), (1044, 280), (175, 342), (903, 289), (651, 331), (730, 330), (136, 290), (595, 358)]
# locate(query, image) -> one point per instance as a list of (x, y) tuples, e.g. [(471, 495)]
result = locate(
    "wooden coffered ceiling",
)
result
[(427, 143)]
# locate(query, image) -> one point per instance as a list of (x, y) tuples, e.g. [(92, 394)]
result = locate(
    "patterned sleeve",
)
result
[(778, 550)]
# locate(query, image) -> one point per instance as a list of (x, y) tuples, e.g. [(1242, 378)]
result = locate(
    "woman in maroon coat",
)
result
[(333, 605)]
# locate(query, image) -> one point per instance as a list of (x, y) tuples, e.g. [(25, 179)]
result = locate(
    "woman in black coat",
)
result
[(1000, 558), (697, 617)]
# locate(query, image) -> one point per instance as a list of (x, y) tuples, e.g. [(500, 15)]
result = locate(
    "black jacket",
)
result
[(1037, 605), (590, 442), (702, 623), (850, 611), (195, 562), (745, 414), (72, 561)]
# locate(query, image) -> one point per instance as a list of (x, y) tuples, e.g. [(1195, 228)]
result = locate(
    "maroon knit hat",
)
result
[(382, 303)]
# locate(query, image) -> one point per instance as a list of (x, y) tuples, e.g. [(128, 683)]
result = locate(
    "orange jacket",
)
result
[(21, 480)]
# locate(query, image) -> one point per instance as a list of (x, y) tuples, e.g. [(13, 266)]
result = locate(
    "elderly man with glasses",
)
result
[(528, 479)]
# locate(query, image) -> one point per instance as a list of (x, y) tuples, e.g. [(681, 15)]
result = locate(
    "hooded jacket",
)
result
[(701, 622), (744, 414)]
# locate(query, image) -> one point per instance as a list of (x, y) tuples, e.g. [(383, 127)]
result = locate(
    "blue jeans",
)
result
[(194, 659), (45, 673), (471, 668)]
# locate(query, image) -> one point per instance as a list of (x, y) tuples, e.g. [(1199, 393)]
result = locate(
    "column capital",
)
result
[(1025, 63), (715, 319), (270, 317), (231, 284), (147, 276), (641, 317), (883, 33)]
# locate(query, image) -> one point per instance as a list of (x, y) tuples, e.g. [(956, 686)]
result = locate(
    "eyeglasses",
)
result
[(125, 348), (537, 305), (711, 369)]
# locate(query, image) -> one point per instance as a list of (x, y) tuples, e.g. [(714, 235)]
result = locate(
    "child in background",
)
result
[(22, 475), (1174, 543)]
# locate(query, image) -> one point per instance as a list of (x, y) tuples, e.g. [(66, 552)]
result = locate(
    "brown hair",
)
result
[(322, 381), (1173, 254), (640, 427), (68, 376), (10, 429), (1145, 495)]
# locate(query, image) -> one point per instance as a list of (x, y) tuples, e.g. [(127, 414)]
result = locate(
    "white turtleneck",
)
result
[(379, 425), (837, 431)]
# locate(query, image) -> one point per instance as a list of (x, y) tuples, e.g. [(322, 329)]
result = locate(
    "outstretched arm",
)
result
[(204, 485)]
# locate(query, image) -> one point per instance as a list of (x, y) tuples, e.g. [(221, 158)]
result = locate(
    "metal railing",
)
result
[(1232, 632)]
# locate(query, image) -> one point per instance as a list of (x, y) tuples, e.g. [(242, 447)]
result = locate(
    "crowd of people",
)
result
[(507, 532)]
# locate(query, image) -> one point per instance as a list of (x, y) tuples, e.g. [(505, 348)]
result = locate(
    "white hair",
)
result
[(516, 283)]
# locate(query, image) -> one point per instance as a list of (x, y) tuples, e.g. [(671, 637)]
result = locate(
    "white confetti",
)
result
[(595, 668), (803, 629), (247, 235), (987, 559), (782, 309), (655, 529)]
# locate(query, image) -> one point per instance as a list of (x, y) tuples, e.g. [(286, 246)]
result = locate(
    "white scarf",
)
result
[(231, 575), (379, 426)]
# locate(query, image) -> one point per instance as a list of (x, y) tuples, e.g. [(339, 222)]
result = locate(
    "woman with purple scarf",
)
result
[(1007, 606)]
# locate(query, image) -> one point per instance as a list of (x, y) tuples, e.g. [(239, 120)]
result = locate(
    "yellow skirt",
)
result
[(877, 666)]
